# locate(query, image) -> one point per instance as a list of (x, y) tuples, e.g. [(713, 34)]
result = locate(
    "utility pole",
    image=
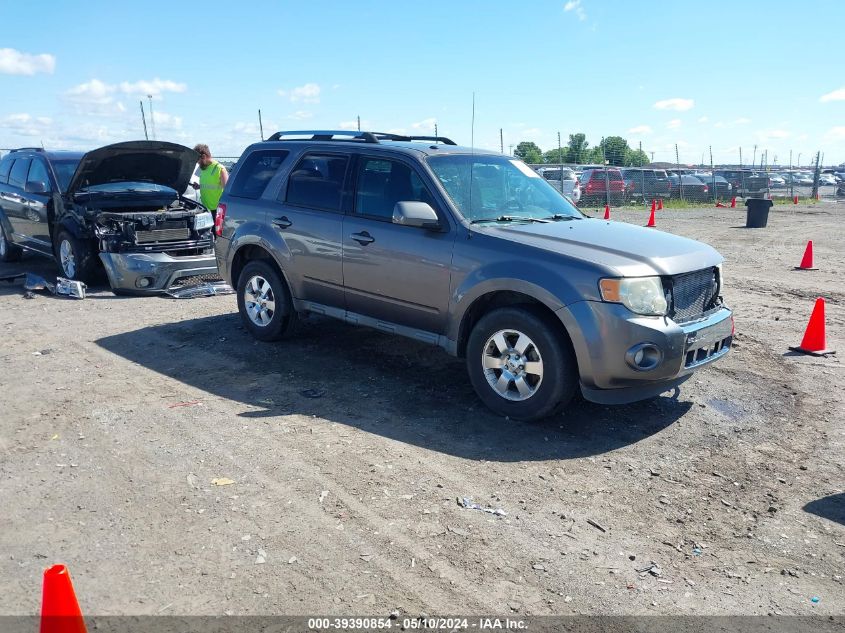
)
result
[(560, 160), (501, 141), (435, 130), (359, 122), (260, 124), (152, 117), (712, 173), (754, 158), (680, 176), (143, 119), (511, 148), (652, 156)]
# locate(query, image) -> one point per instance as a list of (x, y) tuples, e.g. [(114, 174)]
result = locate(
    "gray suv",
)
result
[(472, 251)]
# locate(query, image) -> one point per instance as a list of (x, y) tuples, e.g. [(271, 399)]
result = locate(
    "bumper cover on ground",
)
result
[(127, 271)]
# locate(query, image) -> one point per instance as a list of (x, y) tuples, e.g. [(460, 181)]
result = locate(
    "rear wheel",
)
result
[(76, 258), (264, 302), (521, 364), (8, 251)]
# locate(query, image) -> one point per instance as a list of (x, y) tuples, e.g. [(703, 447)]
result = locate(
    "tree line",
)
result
[(613, 149)]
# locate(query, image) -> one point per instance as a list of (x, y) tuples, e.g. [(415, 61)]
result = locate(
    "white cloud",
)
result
[(92, 92), (703, 119), (301, 115), (309, 93), (13, 62), (835, 133), (674, 124), (719, 124), (836, 95), (24, 124), (575, 5), (769, 135), (165, 121), (640, 129), (154, 87), (742, 121), (676, 103), (426, 124)]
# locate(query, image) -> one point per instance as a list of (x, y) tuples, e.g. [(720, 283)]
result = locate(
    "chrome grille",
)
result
[(692, 294), (162, 235)]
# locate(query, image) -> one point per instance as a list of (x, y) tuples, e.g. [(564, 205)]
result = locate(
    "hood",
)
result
[(166, 164), (621, 249)]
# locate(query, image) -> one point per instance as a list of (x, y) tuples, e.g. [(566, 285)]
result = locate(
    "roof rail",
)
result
[(28, 149), (403, 137), (326, 135), (352, 135)]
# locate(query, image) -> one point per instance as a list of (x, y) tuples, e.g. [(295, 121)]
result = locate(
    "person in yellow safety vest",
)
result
[(213, 177)]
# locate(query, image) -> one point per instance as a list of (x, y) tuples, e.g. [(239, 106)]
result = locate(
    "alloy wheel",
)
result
[(512, 365), (259, 301)]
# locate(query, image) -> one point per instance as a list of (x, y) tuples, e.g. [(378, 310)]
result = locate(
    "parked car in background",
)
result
[(119, 207), (776, 181), (688, 187), (643, 183), (827, 180), (601, 184), (568, 184), (745, 182), (723, 189), (474, 252)]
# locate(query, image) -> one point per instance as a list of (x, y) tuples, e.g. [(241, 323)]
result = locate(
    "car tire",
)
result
[(76, 258), (264, 302), (8, 251), (496, 347)]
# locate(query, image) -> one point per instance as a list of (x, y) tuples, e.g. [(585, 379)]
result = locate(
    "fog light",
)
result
[(644, 356), (143, 282)]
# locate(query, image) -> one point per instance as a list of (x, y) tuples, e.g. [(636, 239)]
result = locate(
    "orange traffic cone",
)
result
[(794, 199), (653, 205), (660, 204), (60, 611), (733, 202), (606, 212), (814, 342), (807, 260), (651, 220)]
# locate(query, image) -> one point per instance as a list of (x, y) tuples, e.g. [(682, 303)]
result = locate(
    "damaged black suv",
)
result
[(118, 208)]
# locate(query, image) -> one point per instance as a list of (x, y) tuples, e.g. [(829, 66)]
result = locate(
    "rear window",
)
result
[(17, 177), (317, 181), (256, 173), (5, 167)]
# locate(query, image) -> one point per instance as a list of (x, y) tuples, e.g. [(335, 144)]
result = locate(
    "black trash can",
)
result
[(757, 215)]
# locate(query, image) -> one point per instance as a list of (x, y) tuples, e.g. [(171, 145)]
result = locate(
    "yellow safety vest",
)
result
[(210, 187)]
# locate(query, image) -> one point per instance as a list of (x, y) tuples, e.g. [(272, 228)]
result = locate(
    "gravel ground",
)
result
[(177, 466)]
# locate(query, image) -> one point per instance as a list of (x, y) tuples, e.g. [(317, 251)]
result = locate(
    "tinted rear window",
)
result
[(317, 181), (256, 172), (5, 167), (17, 177)]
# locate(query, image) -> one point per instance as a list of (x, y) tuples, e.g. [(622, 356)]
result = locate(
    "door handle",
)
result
[(282, 222), (363, 238)]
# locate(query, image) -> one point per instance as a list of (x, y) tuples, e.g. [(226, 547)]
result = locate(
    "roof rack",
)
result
[(352, 135), (28, 149)]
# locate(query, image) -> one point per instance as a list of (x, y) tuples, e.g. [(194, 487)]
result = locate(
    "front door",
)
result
[(394, 273)]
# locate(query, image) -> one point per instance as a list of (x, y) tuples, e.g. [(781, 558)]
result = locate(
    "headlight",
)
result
[(642, 295)]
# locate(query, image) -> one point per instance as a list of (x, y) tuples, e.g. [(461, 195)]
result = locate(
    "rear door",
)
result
[(14, 200), (394, 273), (38, 203), (309, 219)]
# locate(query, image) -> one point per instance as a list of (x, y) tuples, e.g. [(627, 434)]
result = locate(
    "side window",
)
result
[(256, 172), (17, 177), (383, 183), (317, 181), (5, 168), (38, 173)]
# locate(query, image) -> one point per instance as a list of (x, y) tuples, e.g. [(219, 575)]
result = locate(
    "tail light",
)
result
[(218, 219)]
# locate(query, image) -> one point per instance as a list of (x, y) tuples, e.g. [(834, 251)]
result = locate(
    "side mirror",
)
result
[(35, 186), (418, 214)]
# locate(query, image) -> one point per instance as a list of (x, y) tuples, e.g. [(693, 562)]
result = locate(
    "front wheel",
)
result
[(76, 258), (264, 302), (521, 363)]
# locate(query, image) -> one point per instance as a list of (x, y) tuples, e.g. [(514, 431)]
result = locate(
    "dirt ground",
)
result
[(347, 449)]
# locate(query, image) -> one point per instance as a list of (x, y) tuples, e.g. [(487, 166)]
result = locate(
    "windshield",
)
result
[(63, 169), (117, 187), (485, 187)]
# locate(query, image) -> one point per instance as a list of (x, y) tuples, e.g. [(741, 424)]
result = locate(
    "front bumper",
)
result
[(603, 334), (128, 272)]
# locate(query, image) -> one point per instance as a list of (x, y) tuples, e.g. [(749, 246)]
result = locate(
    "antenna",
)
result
[(472, 152), (472, 131), (152, 118), (144, 119)]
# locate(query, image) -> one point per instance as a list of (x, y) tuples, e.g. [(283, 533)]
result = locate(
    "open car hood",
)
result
[(166, 164)]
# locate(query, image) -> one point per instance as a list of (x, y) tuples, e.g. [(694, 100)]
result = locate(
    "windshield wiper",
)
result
[(510, 218), (558, 216)]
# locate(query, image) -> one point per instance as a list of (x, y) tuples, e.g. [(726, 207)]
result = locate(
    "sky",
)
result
[(722, 74)]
